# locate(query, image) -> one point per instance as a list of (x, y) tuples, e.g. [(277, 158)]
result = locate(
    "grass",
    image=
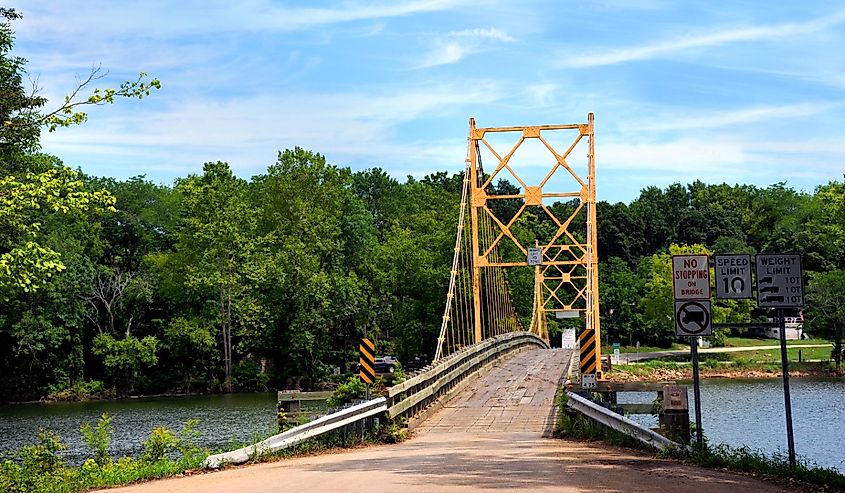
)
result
[(643, 349), (574, 425), (748, 341), (815, 360), (756, 462), (773, 355)]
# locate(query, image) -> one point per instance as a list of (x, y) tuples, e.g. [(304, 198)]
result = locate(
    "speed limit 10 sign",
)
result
[(733, 276)]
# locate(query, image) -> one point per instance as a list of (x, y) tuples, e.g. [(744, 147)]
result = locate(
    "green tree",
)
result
[(826, 309), (215, 244), (123, 358)]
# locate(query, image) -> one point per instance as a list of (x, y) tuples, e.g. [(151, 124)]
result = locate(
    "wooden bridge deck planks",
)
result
[(517, 395)]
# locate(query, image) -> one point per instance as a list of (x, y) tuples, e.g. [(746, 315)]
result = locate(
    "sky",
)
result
[(736, 91)]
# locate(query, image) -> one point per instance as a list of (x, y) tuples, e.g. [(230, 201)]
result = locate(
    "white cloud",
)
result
[(685, 156), (743, 116), (156, 17), (687, 42), (454, 46), (541, 94), (245, 131)]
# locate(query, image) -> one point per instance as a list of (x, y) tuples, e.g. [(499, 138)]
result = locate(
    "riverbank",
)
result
[(655, 371)]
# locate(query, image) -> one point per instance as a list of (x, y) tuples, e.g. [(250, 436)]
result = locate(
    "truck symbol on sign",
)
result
[(772, 299), (770, 289), (692, 318), (766, 280), (695, 317)]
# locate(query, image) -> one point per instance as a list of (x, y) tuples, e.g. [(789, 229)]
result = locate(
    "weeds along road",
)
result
[(489, 438)]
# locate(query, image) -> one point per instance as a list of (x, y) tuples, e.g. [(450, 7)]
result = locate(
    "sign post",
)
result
[(780, 284), (691, 284)]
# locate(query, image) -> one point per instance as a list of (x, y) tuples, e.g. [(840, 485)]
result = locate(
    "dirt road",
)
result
[(488, 439)]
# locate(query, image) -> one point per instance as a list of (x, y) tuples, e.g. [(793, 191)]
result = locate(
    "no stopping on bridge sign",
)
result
[(692, 319)]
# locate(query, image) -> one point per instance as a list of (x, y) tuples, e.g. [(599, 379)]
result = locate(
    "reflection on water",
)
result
[(223, 421), (751, 413)]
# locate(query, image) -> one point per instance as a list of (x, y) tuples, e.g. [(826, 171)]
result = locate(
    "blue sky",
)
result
[(741, 91)]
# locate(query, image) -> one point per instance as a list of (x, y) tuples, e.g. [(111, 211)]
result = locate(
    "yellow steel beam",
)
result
[(581, 254)]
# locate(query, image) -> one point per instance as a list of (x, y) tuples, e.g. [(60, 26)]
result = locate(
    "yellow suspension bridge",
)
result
[(564, 260)]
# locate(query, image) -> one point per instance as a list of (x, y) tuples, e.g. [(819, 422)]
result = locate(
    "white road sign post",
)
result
[(568, 339), (733, 276), (691, 283)]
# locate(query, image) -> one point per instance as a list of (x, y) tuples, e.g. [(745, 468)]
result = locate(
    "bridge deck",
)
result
[(516, 395)]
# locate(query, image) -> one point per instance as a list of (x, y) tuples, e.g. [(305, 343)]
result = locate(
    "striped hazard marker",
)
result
[(367, 361), (587, 342)]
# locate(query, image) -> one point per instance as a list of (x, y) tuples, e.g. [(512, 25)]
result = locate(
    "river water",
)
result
[(224, 420), (751, 413), (735, 412)]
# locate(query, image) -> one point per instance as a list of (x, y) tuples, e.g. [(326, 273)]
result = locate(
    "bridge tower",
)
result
[(566, 277)]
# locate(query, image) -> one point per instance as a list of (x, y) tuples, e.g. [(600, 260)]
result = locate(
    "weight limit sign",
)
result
[(692, 319)]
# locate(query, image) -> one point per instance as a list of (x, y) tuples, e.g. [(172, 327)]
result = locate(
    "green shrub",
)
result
[(161, 443), (187, 443), (43, 457), (247, 375), (354, 388), (398, 373), (80, 390), (99, 438), (392, 431)]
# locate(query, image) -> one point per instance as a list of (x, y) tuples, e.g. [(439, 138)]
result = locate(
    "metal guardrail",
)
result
[(620, 423), (293, 436), (403, 400)]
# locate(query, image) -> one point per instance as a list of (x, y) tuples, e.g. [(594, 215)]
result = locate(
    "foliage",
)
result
[(392, 431), (352, 389), (39, 468), (747, 460), (98, 438), (80, 390), (398, 374), (221, 283), (160, 443), (124, 358), (826, 316)]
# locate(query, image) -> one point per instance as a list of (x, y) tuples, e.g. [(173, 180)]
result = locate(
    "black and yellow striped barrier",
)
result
[(587, 342), (367, 361)]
